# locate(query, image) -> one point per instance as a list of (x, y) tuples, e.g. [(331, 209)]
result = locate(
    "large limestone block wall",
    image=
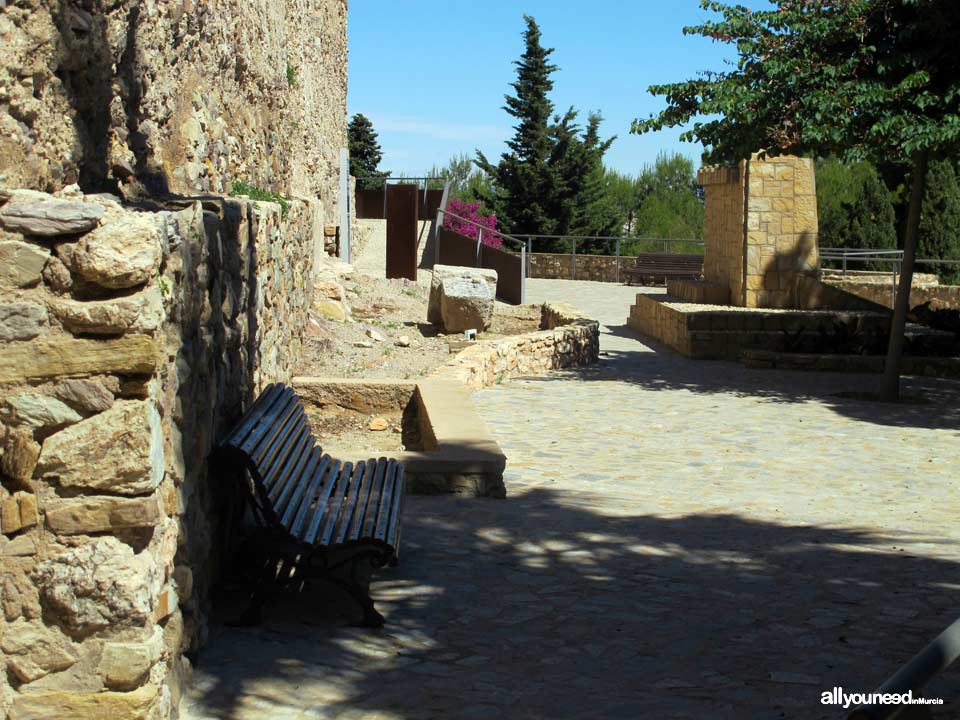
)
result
[(760, 230), (177, 95), (129, 341)]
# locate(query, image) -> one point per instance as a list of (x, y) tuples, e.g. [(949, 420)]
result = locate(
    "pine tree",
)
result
[(940, 222), (523, 179), (365, 153)]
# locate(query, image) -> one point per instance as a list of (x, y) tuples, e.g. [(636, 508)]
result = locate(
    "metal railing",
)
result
[(913, 677), (619, 240), (481, 230), (401, 181), (848, 256)]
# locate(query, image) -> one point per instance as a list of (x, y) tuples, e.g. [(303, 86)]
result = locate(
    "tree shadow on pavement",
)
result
[(563, 605)]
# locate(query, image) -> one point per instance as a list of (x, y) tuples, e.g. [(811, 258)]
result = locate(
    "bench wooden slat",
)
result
[(281, 490), (269, 427), (393, 531), (262, 421), (301, 493), (270, 395), (316, 502), (324, 530), (274, 449), (286, 506), (373, 502), (279, 474), (363, 470), (386, 501), (356, 519)]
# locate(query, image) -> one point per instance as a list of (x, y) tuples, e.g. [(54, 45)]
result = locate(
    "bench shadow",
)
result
[(550, 605)]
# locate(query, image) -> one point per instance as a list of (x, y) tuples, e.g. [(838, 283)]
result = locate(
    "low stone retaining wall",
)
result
[(559, 266), (567, 339), (711, 332), (946, 296), (131, 339), (927, 366)]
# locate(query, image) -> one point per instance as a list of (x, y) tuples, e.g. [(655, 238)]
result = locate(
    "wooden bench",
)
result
[(314, 517), (656, 267)]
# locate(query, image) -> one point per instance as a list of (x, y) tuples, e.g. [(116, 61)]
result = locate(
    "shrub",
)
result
[(468, 229)]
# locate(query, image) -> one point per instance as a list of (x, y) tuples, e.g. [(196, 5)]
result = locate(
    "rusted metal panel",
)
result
[(403, 208)]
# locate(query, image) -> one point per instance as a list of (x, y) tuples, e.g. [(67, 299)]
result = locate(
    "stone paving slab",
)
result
[(681, 539)]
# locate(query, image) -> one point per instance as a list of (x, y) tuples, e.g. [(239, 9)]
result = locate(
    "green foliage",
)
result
[(670, 201), (550, 181), (240, 187), (858, 79), (468, 183), (365, 153), (854, 207), (291, 75), (940, 222), (623, 193)]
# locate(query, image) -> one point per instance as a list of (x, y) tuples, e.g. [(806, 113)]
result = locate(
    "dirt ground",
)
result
[(391, 309)]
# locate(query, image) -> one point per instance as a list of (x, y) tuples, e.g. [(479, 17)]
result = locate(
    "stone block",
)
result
[(9, 515), (136, 705), (35, 213), (125, 666), (58, 357), (34, 650), (21, 263), (441, 273), (79, 516), (117, 451), (467, 300), (29, 512), (330, 309), (97, 317), (21, 321), (123, 253), (87, 396), (99, 585), (38, 411), (20, 455)]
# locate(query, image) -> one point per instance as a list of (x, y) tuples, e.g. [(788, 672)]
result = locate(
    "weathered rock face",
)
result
[(466, 299), (184, 95), (38, 411), (118, 451), (34, 650), (33, 213), (21, 321), (120, 254), (21, 263), (101, 514), (87, 396), (98, 585), (125, 665)]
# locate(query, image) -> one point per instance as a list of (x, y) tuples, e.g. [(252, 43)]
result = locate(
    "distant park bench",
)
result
[(315, 516), (654, 268)]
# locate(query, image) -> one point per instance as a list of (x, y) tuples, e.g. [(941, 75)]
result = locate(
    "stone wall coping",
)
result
[(718, 175)]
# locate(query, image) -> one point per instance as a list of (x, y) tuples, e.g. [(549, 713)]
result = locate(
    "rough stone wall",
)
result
[(723, 228), (943, 296), (554, 266), (131, 339), (760, 229), (176, 95), (566, 339)]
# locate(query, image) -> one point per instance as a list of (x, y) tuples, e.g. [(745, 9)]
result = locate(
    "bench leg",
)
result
[(371, 618)]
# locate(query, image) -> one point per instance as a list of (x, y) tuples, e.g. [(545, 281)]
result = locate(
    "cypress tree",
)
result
[(523, 179), (365, 152)]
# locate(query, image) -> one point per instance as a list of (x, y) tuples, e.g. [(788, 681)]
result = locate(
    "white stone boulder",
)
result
[(35, 213), (462, 298), (122, 253)]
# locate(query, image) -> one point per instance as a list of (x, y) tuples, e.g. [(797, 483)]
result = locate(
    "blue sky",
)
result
[(432, 75)]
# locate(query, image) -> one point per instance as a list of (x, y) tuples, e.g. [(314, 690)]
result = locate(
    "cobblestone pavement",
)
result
[(681, 539)]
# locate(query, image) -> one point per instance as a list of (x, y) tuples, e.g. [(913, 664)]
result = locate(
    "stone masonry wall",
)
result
[(566, 339), (130, 340), (176, 95), (760, 229)]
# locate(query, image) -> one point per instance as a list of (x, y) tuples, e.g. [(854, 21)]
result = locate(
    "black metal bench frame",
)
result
[(313, 516), (650, 266)]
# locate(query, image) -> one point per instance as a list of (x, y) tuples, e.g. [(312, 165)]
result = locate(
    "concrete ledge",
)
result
[(460, 455)]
